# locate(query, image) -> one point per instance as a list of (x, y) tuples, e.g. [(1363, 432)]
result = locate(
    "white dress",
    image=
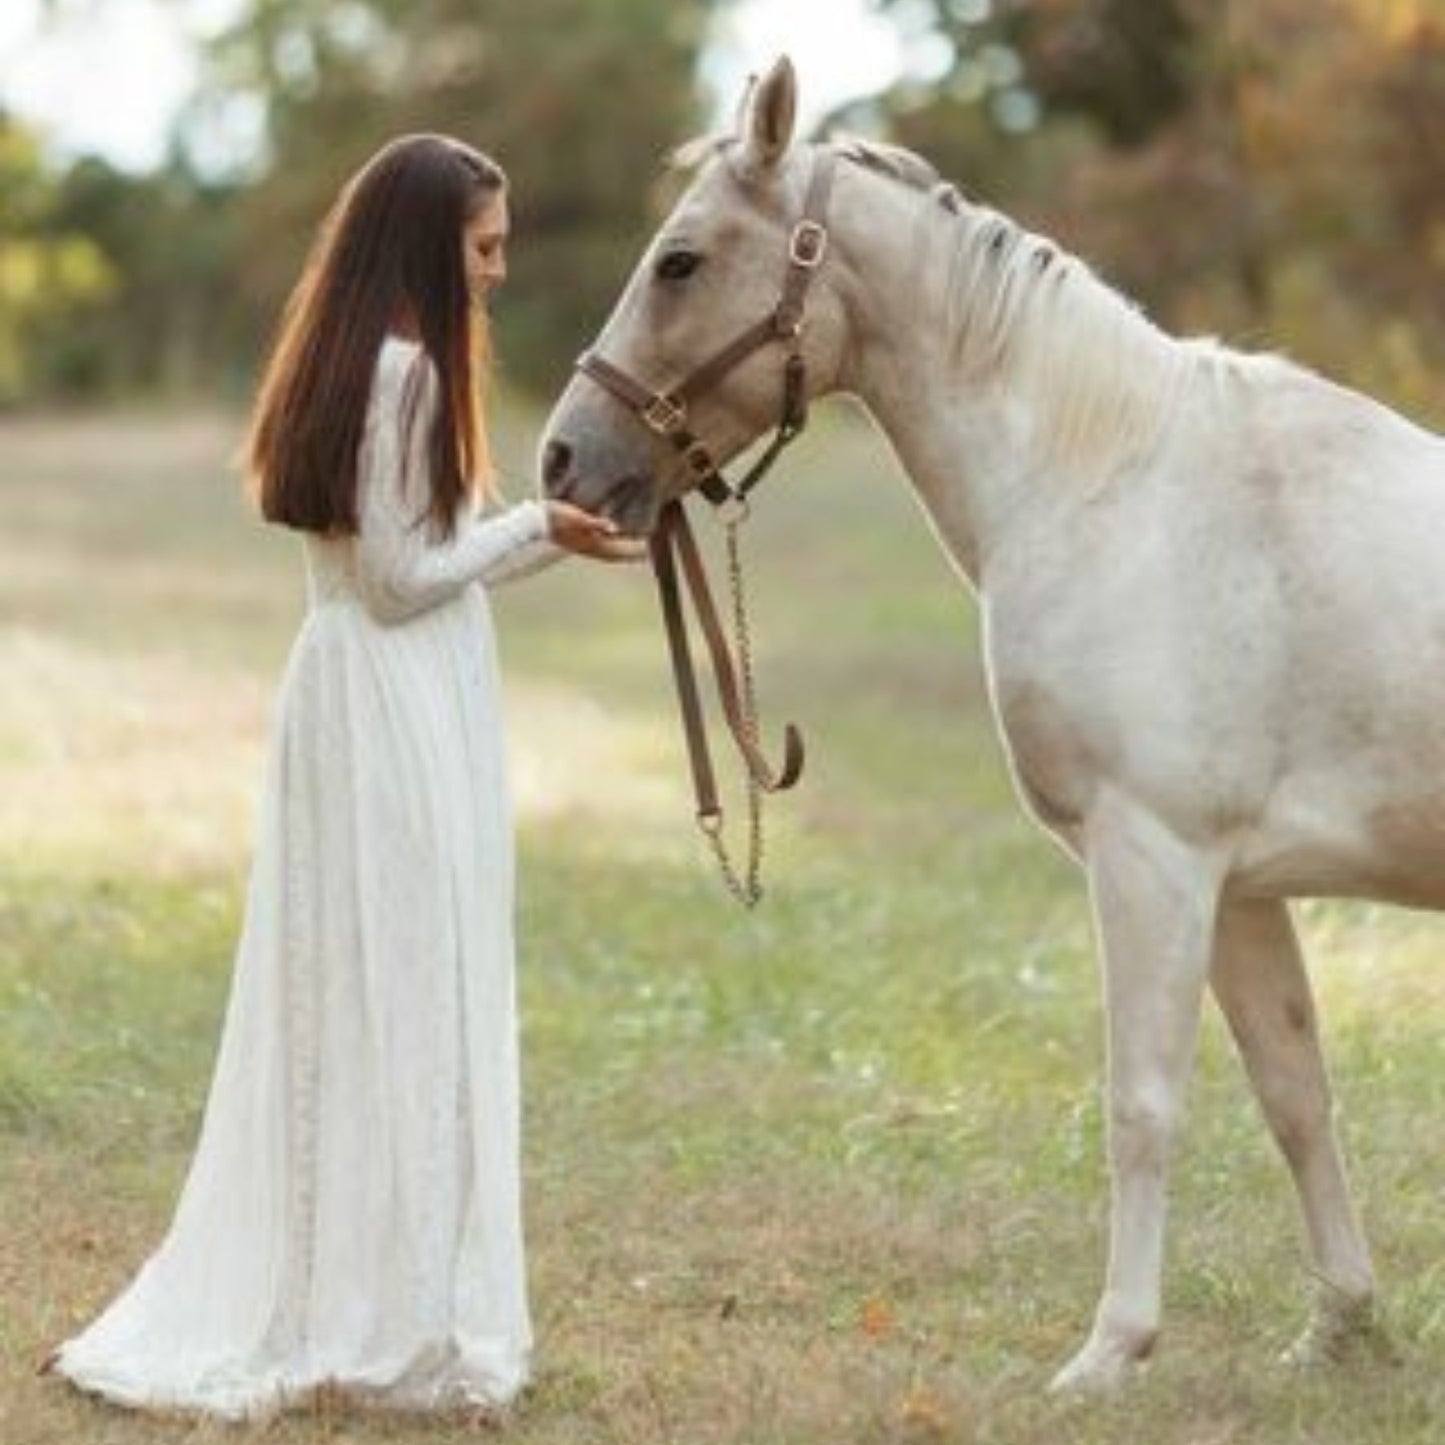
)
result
[(352, 1214)]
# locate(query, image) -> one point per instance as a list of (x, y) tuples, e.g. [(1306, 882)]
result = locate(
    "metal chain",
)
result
[(747, 698), (746, 888)]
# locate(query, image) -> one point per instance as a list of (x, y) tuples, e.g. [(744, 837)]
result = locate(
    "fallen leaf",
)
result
[(877, 1318), (923, 1411)]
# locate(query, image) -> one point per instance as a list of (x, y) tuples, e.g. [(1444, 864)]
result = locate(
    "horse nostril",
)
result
[(556, 458)]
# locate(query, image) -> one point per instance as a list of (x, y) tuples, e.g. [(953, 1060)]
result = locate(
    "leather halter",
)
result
[(665, 413)]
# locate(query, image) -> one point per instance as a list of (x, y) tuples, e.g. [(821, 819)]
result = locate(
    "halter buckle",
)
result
[(808, 245), (663, 415), (699, 460)]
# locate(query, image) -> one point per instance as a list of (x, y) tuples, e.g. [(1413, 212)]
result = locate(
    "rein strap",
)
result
[(673, 542)]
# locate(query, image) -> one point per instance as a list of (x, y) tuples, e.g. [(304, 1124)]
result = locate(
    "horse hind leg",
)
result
[(1259, 979)]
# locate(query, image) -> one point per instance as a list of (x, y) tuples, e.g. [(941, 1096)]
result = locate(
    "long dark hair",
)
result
[(390, 248)]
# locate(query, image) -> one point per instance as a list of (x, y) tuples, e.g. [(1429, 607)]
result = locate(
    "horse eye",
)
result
[(678, 265)]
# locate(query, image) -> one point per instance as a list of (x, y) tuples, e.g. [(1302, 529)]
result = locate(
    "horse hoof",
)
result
[(1102, 1367), (1338, 1332)]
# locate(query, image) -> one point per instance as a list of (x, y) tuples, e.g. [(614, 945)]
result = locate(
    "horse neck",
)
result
[(992, 399)]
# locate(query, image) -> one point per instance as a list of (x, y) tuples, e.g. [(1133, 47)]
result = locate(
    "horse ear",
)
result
[(770, 108)]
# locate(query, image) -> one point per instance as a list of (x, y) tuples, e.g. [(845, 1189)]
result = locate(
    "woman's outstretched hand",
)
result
[(590, 535)]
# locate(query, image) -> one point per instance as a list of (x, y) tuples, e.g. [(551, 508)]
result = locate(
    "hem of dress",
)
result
[(271, 1396)]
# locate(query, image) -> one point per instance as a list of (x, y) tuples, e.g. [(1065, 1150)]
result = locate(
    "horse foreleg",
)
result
[(1154, 901), (1259, 978)]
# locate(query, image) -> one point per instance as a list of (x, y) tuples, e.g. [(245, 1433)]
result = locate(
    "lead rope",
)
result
[(746, 888)]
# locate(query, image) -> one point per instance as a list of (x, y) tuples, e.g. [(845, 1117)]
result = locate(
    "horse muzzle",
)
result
[(630, 499)]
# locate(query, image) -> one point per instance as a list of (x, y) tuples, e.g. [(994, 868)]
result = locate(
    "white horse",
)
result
[(1213, 597)]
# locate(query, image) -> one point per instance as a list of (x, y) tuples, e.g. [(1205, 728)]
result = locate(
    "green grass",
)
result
[(829, 1172)]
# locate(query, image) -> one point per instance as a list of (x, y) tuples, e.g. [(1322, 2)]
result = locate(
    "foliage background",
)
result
[(1264, 171)]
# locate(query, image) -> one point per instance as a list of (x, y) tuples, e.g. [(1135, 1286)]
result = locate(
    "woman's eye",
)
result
[(678, 265)]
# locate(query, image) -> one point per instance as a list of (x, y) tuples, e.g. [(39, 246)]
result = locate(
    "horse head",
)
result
[(733, 293)]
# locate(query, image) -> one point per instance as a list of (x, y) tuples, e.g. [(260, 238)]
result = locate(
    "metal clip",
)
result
[(699, 460)]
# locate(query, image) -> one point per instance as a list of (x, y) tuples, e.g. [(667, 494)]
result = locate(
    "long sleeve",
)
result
[(525, 561), (401, 568)]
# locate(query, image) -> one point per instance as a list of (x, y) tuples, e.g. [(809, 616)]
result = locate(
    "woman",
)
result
[(351, 1218)]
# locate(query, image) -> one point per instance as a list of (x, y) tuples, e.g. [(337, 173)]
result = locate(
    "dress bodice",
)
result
[(330, 570)]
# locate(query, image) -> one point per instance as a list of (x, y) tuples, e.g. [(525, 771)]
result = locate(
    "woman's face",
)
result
[(484, 247)]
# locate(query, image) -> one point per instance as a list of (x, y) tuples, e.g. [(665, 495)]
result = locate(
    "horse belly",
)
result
[(1352, 821), (1390, 849)]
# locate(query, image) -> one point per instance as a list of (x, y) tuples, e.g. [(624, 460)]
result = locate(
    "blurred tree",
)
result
[(170, 323), (1034, 86), (1266, 169), (577, 100), (1124, 66), (1298, 199), (52, 275)]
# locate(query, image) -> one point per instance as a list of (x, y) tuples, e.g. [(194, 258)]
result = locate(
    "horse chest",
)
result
[(1054, 721), (1095, 686), (1049, 755)]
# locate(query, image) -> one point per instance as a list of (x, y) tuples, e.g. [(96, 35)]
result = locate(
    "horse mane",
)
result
[(1018, 306), (693, 154)]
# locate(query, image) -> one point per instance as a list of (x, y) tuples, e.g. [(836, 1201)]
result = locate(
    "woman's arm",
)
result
[(402, 569), (524, 562), (569, 529)]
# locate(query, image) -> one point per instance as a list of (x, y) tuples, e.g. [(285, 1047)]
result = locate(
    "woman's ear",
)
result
[(769, 111)]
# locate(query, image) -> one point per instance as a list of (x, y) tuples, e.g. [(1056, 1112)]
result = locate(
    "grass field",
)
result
[(823, 1174)]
